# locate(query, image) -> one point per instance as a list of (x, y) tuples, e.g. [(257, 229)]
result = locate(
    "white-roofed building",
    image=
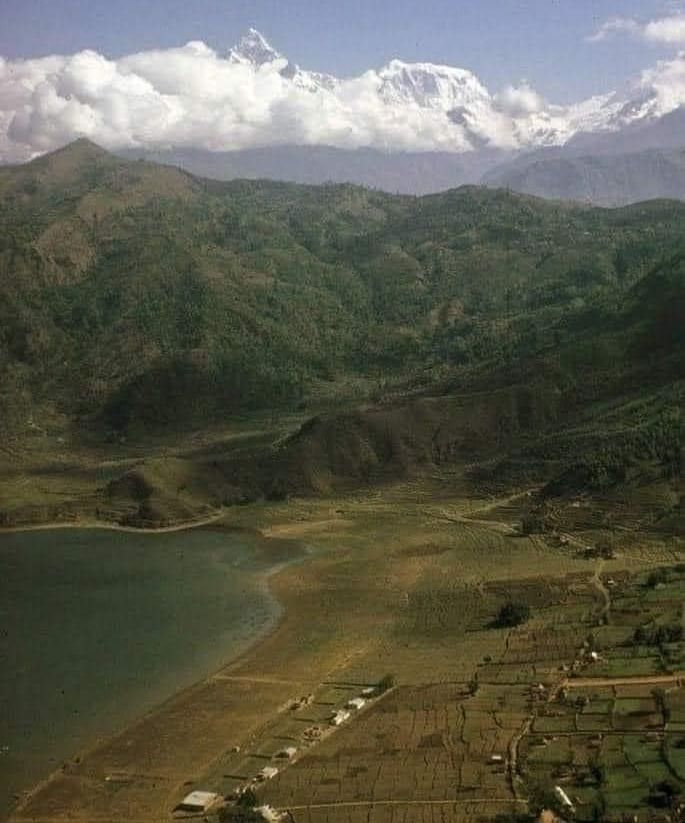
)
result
[(267, 773), (198, 801)]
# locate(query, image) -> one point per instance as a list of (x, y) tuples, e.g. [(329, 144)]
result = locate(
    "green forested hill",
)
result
[(136, 296)]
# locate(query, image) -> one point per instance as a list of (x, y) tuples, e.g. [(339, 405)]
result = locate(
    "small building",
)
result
[(356, 703), (339, 717), (496, 758), (267, 773), (198, 802), (287, 754), (369, 691)]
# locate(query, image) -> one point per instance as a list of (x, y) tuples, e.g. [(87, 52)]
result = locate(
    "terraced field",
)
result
[(466, 733)]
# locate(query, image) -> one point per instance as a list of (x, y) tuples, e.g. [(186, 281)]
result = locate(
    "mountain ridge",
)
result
[(602, 179), (382, 336), (173, 292)]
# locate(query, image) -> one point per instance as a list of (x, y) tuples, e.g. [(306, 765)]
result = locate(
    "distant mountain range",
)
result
[(610, 150), (412, 128), (642, 161), (602, 179), (516, 118), (394, 172), (565, 173)]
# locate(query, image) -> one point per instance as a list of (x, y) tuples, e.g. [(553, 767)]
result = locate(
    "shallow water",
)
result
[(97, 627)]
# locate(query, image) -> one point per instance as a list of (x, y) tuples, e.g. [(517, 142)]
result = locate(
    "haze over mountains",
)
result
[(406, 127)]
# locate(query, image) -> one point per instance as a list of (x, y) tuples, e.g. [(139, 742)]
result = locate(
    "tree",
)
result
[(664, 794), (247, 799), (657, 577), (237, 814), (512, 614), (385, 683), (244, 809), (473, 685), (604, 548)]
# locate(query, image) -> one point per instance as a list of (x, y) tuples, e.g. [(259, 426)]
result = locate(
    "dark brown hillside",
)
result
[(382, 444)]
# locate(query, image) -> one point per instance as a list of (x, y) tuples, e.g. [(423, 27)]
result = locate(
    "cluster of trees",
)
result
[(512, 613), (243, 811), (659, 635)]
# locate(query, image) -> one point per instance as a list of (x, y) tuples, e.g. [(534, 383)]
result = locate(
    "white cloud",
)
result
[(665, 30), (519, 100), (615, 25), (193, 97), (664, 84)]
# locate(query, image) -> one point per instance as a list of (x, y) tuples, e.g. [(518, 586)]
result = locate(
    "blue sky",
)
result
[(502, 41)]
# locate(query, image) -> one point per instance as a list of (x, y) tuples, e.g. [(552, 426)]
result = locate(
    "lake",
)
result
[(97, 627)]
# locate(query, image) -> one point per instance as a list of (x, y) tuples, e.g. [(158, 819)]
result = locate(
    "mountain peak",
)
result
[(72, 158), (79, 151), (254, 48), (431, 86), (84, 146)]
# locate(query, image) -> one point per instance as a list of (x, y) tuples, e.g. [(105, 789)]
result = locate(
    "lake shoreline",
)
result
[(108, 525), (263, 584)]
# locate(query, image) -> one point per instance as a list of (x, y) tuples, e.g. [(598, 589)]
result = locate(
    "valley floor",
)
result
[(482, 721)]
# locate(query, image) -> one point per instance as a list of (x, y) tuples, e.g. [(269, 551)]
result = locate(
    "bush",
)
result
[(656, 577), (386, 683), (663, 794), (235, 814), (243, 810), (536, 521), (247, 799), (239, 814), (604, 548), (658, 635), (512, 614)]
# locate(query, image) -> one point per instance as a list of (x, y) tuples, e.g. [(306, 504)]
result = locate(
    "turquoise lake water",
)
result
[(97, 627)]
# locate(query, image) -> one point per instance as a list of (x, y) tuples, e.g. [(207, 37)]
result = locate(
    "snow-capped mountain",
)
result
[(423, 127), (478, 117), (430, 86), (254, 50), (252, 96)]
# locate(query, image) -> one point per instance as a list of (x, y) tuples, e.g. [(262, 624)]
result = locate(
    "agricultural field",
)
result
[(613, 735), (485, 721)]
